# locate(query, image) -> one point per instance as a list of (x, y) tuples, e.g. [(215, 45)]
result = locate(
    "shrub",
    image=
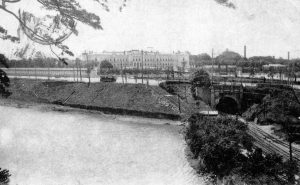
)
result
[(4, 176), (224, 148)]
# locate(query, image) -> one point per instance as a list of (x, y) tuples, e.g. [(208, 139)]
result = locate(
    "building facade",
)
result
[(136, 59)]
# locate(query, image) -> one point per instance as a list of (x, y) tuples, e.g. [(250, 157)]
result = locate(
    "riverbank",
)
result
[(45, 107), (111, 98)]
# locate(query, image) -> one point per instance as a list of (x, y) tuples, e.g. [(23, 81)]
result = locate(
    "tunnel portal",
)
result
[(228, 105)]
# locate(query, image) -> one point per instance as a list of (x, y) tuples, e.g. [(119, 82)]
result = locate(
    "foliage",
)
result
[(226, 3), (4, 80), (200, 79), (36, 62), (277, 106), (4, 176), (105, 64), (169, 88), (59, 23), (198, 60), (228, 57), (4, 84), (223, 148)]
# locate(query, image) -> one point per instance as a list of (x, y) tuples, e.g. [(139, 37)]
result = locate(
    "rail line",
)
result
[(271, 144)]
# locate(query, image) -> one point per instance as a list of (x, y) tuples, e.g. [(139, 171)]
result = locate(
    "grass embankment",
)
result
[(132, 99), (184, 92)]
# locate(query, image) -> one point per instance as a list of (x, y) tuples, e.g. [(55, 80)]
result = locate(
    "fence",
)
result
[(47, 72)]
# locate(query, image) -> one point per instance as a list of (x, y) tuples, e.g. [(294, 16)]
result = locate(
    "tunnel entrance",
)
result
[(227, 105)]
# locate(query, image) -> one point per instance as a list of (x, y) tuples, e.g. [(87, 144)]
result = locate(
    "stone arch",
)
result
[(228, 104)]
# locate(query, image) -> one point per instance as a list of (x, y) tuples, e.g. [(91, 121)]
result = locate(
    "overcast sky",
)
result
[(267, 27)]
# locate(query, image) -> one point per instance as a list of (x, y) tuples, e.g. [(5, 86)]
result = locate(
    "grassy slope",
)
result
[(125, 96)]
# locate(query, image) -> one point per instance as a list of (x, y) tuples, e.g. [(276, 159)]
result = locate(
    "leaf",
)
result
[(4, 176), (226, 3), (3, 61), (63, 60), (2, 30), (69, 53)]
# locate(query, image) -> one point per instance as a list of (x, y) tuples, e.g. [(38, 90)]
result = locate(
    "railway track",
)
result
[(271, 144)]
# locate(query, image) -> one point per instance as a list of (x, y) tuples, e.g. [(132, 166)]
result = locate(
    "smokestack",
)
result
[(245, 52), (288, 55)]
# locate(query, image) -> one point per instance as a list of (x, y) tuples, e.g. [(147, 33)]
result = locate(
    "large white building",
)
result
[(136, 59)]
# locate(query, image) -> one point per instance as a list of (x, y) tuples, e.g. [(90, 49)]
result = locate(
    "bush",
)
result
[(167, 87), (4, 176), (4, 80), (224, 148), (200, 79)]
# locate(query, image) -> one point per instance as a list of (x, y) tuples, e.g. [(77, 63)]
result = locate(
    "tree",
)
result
[(60, 21), (224, 148), (58, 25), (4, 80), (252, 72), (228, 57), (4, 176), (105, 64), (201, 59), (226, 3), (200, 79), (271, 73)]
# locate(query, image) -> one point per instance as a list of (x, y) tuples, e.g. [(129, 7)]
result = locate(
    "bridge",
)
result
[(225, 98)]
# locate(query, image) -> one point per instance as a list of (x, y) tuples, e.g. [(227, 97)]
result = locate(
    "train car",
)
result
[(108, 79)]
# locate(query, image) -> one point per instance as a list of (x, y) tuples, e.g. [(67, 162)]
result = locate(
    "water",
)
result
[(54, 148)]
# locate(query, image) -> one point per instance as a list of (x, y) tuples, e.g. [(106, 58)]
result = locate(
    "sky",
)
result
[(266, 27)]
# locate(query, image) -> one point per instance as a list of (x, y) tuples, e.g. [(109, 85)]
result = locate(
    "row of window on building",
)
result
[(137, 59), (140, 65)]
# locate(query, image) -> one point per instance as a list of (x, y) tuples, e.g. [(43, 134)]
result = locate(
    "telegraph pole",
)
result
[(142, 67), (122, 71), (179, 108), (212, 65), (88, 70), (289, 68)]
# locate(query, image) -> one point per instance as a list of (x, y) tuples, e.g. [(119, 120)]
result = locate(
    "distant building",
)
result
[(136, 59), (274, 67)]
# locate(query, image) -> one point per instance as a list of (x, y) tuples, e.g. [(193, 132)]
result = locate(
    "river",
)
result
[(73, 148)]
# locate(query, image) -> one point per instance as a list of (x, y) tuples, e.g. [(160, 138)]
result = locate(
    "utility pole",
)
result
[(74, 73), (179, 108), (77, 70), (122, 71), (35, 70), (48, 73), (289, 68), (185, 94), (88, 68), (80, 71), (142, 67), (212, 65), (15, 69)]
